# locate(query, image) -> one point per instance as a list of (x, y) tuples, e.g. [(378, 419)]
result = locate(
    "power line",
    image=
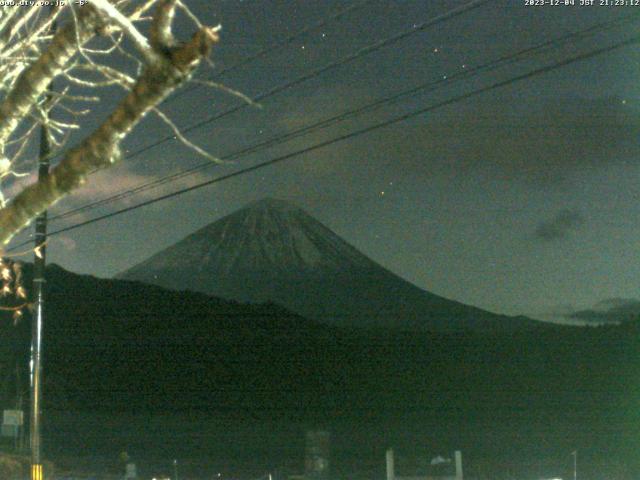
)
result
[(277, 45), (450, 14), (500, 62), (266, 51), (361, 52), (386, 123)]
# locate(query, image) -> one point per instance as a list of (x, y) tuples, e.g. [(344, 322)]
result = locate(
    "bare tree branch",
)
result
[(34, 81), (139, 40), (185, 141), (161, 34), (172, 65)]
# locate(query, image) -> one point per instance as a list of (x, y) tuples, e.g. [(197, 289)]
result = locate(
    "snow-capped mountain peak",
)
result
[(272, 250)]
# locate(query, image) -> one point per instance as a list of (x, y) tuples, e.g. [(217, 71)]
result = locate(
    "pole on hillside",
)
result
[(39, 280)]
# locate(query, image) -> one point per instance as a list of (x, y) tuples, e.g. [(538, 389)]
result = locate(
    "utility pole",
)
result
[(575, 464), (39, 263), (38, 316)]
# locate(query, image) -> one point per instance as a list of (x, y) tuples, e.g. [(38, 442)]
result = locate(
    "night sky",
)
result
[(521, 200)]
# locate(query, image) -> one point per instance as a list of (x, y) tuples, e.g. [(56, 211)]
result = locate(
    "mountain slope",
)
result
[(274, 251)]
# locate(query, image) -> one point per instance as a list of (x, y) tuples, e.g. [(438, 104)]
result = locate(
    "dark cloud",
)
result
[(613, 310), (547, 143), (560, 226), (542, 144)]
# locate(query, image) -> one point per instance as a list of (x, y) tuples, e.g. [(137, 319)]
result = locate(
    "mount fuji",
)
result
[(273, 251)]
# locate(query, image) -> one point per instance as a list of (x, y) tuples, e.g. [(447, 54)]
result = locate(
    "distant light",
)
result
[(436, 50), (624, 102)]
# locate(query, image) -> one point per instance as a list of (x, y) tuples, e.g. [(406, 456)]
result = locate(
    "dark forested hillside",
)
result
[(121, 347)]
